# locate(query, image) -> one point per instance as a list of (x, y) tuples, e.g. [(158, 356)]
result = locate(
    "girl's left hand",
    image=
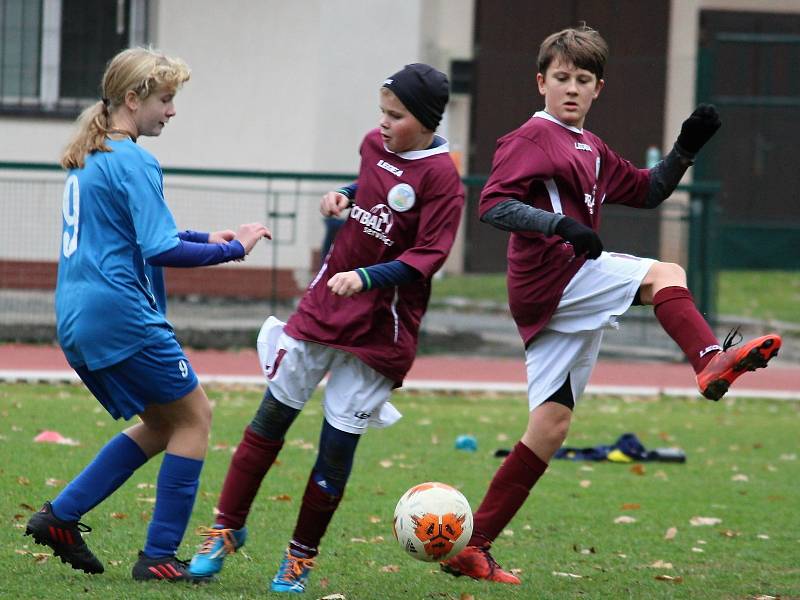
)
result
[(345, 284), (221, 237)]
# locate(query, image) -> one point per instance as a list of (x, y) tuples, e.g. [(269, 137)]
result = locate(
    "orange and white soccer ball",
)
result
[(432, 521)]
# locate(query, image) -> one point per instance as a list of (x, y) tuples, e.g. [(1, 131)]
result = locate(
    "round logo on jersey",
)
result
[(401, 197)]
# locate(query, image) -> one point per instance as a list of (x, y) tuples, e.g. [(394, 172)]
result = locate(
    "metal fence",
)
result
[(224, 306)]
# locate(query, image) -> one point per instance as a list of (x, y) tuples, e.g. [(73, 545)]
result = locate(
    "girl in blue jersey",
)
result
[(117, 234)]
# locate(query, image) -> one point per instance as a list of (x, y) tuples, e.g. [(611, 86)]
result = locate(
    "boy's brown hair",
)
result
[(583, 47)]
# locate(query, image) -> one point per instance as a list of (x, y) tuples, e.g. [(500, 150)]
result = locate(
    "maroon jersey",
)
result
[(408, 208), (561, 169)]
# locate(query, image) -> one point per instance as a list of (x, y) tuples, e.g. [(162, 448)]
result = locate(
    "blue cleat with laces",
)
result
[(293, 573), (218, 544)]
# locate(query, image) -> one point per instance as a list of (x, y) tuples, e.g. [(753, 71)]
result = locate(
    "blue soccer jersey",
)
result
[(114, 218)]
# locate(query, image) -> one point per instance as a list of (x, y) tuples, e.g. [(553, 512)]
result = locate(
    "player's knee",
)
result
[(273, 418), (670, 274)]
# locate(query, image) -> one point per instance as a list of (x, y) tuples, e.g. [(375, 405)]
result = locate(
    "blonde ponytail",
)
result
[(93, 126)]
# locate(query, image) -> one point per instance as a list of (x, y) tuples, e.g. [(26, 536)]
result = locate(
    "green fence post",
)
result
[(703, 235)]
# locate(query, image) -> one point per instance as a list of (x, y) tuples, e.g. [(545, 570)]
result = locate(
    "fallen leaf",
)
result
[(23, 480), (508, 532), (333, 597), (671, 533), (118, 515), (762, 536), (669, 578), (624, 519), (572, 575), (280, 498), (698, 521), (660, 564), (502, 437), (579, 550), (788, 457), (386, 464), (740, 477), (358, 540), (631, 506), (586, 468), (374, 519), (638, 469), (377, 539), (466, 596), (390, 569), (53, 482), (729, 533), (585, 483), (142, 486), (696, 549), (27, 507)]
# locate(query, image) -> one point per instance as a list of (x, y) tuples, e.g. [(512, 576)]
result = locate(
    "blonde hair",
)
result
[(141, 70)]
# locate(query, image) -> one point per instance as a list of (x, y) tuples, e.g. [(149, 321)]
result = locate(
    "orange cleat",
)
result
[(476, 562), (726, 366)]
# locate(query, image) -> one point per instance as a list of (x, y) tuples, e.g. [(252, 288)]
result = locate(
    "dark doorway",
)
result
[(628, 115), (748, 65)]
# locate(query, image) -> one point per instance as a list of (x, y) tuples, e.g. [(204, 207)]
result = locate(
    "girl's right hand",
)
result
[(249, 234)]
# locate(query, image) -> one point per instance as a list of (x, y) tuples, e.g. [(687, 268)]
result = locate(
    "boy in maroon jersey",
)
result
[(549, 181), (358, 321)]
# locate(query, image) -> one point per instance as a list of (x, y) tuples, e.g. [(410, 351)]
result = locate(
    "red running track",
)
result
[(449, 372)]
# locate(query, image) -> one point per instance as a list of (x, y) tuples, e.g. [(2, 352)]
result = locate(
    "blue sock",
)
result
[(112, 467), (176, 490)]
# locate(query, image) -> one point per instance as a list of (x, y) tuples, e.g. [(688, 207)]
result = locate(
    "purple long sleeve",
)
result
[(192, 254)]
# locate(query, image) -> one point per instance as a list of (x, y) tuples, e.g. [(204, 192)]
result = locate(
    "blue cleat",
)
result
[(218, 544), (293, 574)]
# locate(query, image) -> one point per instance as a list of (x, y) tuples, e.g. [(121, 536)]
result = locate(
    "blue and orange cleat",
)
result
[(218, 544), (726, 366), (292, 575)]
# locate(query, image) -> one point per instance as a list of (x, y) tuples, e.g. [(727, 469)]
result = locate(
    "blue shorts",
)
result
[(157, 374)]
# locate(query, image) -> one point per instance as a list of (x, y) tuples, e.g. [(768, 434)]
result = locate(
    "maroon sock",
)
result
[(506, 494), (676, 311), (251, 461), (316, 512)]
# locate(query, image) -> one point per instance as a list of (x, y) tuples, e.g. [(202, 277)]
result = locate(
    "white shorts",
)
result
[(356, 396), (569, 344)]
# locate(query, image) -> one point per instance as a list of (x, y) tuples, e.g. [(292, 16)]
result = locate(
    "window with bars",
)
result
[(53, 52)]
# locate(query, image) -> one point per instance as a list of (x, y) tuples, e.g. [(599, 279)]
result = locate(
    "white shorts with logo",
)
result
[(569, 344), (356, 396)]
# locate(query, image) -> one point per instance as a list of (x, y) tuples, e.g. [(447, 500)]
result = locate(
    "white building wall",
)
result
[(276, 85)]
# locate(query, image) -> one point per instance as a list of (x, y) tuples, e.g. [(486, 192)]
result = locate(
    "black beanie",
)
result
[(423, 90)]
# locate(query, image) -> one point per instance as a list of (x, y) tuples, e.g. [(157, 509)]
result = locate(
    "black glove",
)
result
[(698, 128), (584, 239)]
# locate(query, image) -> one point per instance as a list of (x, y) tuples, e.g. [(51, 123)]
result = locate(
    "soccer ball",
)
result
[(432, 521)]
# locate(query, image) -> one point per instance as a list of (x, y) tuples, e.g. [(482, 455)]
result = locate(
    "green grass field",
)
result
[(756, 294), (742, 468)]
